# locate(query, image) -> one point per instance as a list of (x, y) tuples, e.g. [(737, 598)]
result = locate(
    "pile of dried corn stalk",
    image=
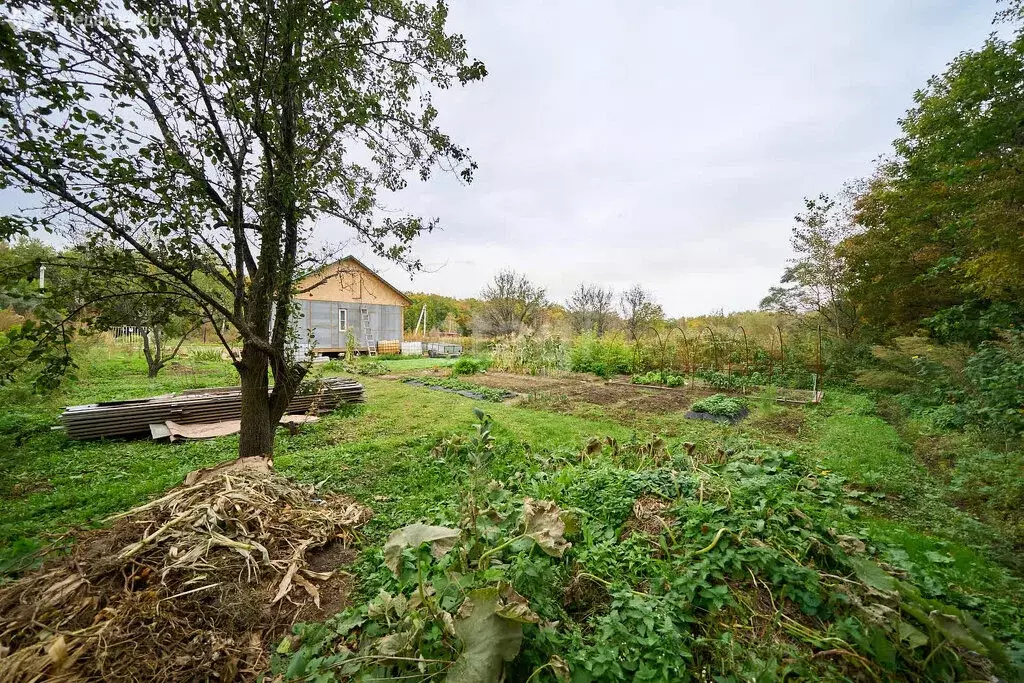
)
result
[(193, 586)]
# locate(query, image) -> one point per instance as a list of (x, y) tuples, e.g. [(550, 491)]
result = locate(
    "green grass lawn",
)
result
[(404, 364), (383, 453)]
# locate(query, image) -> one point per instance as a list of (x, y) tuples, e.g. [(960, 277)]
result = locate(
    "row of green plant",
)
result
[(529, 354), (721, 405), (656, 377), (466, 388), (612, 355), (633, 563)]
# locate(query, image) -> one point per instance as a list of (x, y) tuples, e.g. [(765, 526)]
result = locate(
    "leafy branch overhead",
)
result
[(208, 139)]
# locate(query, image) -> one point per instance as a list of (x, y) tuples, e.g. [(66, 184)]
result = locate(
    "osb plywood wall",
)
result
[(350, 281)]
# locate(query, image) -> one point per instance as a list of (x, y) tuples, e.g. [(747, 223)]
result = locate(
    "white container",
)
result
[(414, 348)]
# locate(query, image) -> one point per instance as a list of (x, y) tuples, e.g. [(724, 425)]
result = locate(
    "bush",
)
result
[(469, 365), (994, 393), (719, 404), (675, 380), (945, 417), (602, 356)]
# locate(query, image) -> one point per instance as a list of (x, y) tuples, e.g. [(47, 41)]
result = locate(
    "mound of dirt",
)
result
[(196, 585)]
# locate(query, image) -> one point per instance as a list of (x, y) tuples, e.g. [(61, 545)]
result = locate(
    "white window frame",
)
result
[(342, 320)]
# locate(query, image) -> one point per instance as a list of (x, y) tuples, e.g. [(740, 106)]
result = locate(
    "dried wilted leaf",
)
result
[(286, 582), (544, 525), (593, 447), (58, 652), (512, 605), (313, 591), (441, 539), (559, 668)]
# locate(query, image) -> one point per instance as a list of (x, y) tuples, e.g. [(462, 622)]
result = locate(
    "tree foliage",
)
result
[(511, 302), (442, 312), (817, 279), (944, 228), (639, 311), (209, 138), (591, 309)]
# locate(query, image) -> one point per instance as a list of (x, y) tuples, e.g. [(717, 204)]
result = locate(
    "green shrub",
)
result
[(720, 404), (647, 378), (469, 365), (994, 393), (720, 380), (602, 356), (945, 417), (206, 355)]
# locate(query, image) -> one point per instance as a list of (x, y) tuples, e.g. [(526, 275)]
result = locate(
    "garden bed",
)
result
[(461, 388)]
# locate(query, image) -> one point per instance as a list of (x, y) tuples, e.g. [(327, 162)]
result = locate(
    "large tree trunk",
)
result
[(256, 437)]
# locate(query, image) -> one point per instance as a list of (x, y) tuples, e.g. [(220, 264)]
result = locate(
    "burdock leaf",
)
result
[(514, 606), (441, 539), (873, 575), (544, 525), (488, 639), (951, 627), (911, 635)]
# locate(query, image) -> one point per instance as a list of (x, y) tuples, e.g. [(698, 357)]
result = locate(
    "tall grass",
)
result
[(603, 356), (530, 354)]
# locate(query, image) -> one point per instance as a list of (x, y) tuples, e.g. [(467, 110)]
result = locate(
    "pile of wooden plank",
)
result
[(134, 417)]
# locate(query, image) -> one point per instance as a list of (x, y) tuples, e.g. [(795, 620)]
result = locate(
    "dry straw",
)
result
[(192, 586)]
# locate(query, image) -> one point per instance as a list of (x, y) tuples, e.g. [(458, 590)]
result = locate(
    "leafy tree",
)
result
[(510, 303), (441, 310), (639, 311), (944, 225), (19, 274), (113, 289), (816, 280), (590, 309), (209, 137)]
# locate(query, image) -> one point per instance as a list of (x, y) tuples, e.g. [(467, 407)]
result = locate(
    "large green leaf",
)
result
[(873, 575), (441, 539), (488, 639)]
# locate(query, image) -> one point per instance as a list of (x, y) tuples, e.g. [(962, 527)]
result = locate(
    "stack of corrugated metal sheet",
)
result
[(128, 418)]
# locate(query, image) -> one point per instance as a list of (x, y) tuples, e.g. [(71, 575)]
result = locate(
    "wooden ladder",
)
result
[(364, 321)]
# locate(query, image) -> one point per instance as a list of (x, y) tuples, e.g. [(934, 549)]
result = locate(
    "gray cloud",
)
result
[(664, 143), (668, 143)]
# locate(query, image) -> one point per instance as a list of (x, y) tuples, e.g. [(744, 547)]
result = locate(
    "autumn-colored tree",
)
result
[(943, 242)]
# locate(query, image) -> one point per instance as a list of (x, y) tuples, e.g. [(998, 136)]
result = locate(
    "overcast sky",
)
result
[(667, 143)]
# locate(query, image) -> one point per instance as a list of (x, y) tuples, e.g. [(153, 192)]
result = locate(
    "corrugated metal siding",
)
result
[(322, 317)]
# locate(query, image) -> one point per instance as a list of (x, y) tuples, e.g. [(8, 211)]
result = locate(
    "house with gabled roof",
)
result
[(344, 299)]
